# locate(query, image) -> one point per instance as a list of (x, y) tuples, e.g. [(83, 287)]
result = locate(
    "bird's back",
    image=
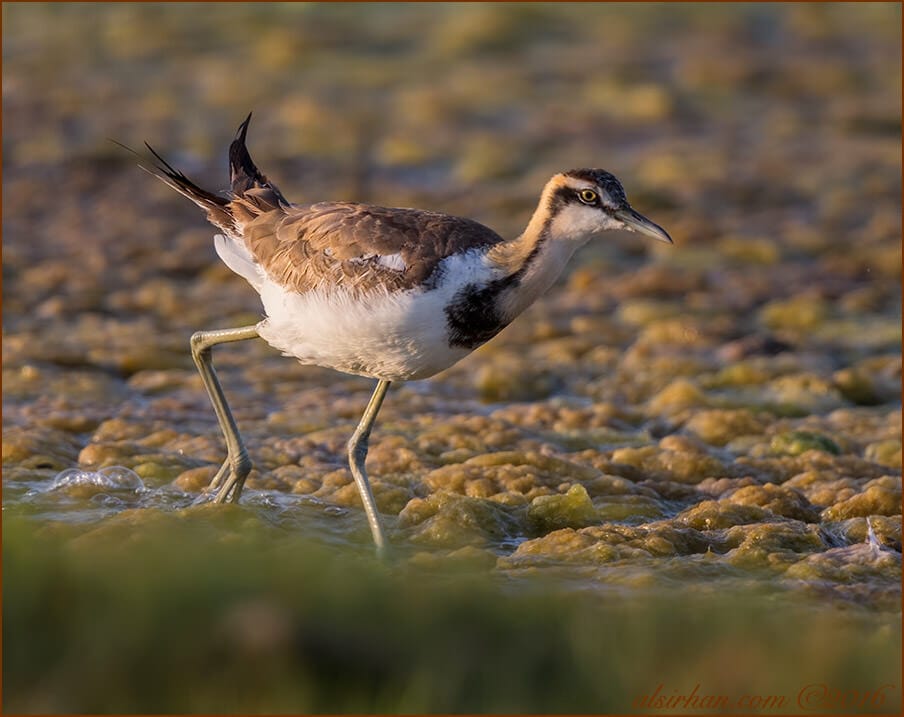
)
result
[(358, 247)]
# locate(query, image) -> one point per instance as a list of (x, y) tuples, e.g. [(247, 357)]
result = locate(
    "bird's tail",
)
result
[(217, 207), (252, 192), (244, 175)]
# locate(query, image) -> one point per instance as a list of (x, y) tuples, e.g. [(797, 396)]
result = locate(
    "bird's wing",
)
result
[(356, 246)]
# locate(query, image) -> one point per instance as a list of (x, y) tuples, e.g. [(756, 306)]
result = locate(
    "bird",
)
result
[(392, 294)]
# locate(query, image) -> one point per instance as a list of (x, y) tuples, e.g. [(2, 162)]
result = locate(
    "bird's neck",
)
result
[(533, 261)]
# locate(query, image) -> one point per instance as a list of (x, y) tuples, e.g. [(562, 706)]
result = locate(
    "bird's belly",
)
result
[(395, 336)]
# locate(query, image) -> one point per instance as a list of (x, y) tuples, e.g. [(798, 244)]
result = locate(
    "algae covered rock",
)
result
[(863, 563), (799, 313), (673, 460), (881, 496), (793, 443), (571, 510), (40, 448), (714, 515), (451, 520), (775, 544), (886, 453), (677, 396), (518, 476), (778, 499), (608, 543), (721, 426)]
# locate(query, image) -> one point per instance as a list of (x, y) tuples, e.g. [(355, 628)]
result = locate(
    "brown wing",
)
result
[(356, 245)]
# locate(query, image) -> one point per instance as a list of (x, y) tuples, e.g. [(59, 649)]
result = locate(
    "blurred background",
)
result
[(682, 466)]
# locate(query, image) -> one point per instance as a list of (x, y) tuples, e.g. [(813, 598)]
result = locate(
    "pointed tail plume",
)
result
[(217, 207), (243, 172)]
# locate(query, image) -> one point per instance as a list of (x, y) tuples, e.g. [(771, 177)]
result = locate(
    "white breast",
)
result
[(389, 335)]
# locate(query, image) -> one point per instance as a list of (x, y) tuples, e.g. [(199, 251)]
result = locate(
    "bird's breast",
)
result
[(474, 315), (393, 335)]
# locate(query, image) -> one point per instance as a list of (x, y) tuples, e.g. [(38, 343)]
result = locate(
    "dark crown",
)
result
[(604, 180)]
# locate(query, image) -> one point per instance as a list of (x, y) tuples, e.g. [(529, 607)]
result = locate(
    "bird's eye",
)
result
[(588, 196)]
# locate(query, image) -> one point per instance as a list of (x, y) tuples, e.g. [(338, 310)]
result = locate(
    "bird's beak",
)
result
[(637, 222)]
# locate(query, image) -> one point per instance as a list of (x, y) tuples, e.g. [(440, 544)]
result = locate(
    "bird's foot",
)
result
[(226, 486)]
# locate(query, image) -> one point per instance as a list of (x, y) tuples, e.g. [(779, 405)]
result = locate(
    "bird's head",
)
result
[(585, 202)]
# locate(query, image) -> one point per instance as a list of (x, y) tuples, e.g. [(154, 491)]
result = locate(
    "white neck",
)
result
[(542, 251), (541, 273)]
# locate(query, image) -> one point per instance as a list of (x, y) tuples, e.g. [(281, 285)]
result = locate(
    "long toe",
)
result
[(231, 490), (220, 475)]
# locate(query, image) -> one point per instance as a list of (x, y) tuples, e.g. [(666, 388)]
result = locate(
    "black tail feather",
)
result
[(243, 172), (216, 206), (183, 183)]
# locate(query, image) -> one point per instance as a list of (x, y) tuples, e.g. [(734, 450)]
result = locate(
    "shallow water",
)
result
[(718, 416)]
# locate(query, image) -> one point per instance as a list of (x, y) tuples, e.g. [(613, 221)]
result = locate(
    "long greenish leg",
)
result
[(357, 453), (231, 476)]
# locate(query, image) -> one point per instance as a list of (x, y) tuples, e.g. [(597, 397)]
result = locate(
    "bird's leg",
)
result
[(357, 453), (237, 464)]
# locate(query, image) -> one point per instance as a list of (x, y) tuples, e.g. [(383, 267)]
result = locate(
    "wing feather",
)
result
[(357, 246)]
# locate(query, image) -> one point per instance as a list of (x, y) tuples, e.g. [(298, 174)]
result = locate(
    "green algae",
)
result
[(713, 515), (881, 496), (857, 564), (446, 519), (573, 509), (719, 426), (800, 313), (886, 453), (780, 500), (771, 547), (796, 442), (683, 465)]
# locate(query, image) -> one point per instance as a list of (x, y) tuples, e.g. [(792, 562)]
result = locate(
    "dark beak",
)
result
[(637, 222)]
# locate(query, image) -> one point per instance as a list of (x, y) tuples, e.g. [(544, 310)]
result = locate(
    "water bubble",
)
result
[(110, 478), (107, 500)]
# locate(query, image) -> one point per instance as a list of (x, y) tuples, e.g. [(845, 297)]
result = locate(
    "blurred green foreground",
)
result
[(230, 615)]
